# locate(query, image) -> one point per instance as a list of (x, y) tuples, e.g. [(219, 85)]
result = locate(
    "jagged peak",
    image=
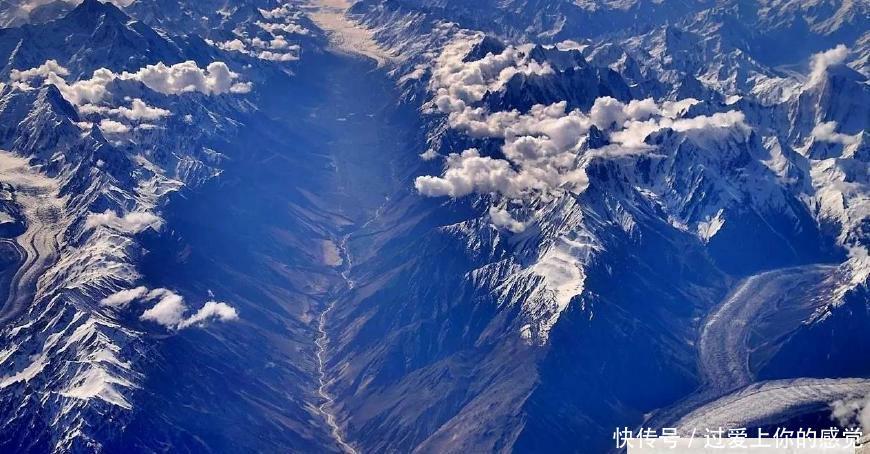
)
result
[(595, 139), (843, 72), (89, 10), (487, 45), (51, 95)]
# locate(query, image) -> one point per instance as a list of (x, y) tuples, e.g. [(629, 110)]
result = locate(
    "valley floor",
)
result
[(278, 214)]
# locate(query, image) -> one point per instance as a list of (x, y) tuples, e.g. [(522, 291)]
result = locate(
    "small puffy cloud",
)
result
[(607, 111), (634, 133), (43, 70), (704, 127), (276, 49), (279, 43), (211, 310), (175, 79), (170, 308), (282, 27), (470, 172), (146, 127), (827, 132), (852, 412), (113, 127), (276, 56), (139, 111), (822, 60), (132, 223), (88, 109), (187, 77), (280, 22), (727, 120), (124, 297), (91, 90), (502, 219), (241, 88), (235, 45), (284, 11), (676, 109), (257, 42), (642, 109)]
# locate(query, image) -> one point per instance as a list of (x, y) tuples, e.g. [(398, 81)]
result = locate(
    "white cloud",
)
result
[(645, 108), (175, 79), (720, 120), (457, 83), (676, 109), (278, 27), (284, 11), (822, 60), (138, 110), (827, 132), (133, 222), (635, 133), (84, 91), (146, 127), (241, 88), (43, 70), (257, 42), (504, 220), (469, 172), (88, 109), (267, 49), (277, 56), (279, 43), (607, 112), (235, 45), (853, 412), (187, 77), (124, 297), (113, 127), (170, 308), (541, 147), (211, 310), (280, 22), (701, 127)]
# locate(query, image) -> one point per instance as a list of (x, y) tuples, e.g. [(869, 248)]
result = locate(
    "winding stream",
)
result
[(322, 343)]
